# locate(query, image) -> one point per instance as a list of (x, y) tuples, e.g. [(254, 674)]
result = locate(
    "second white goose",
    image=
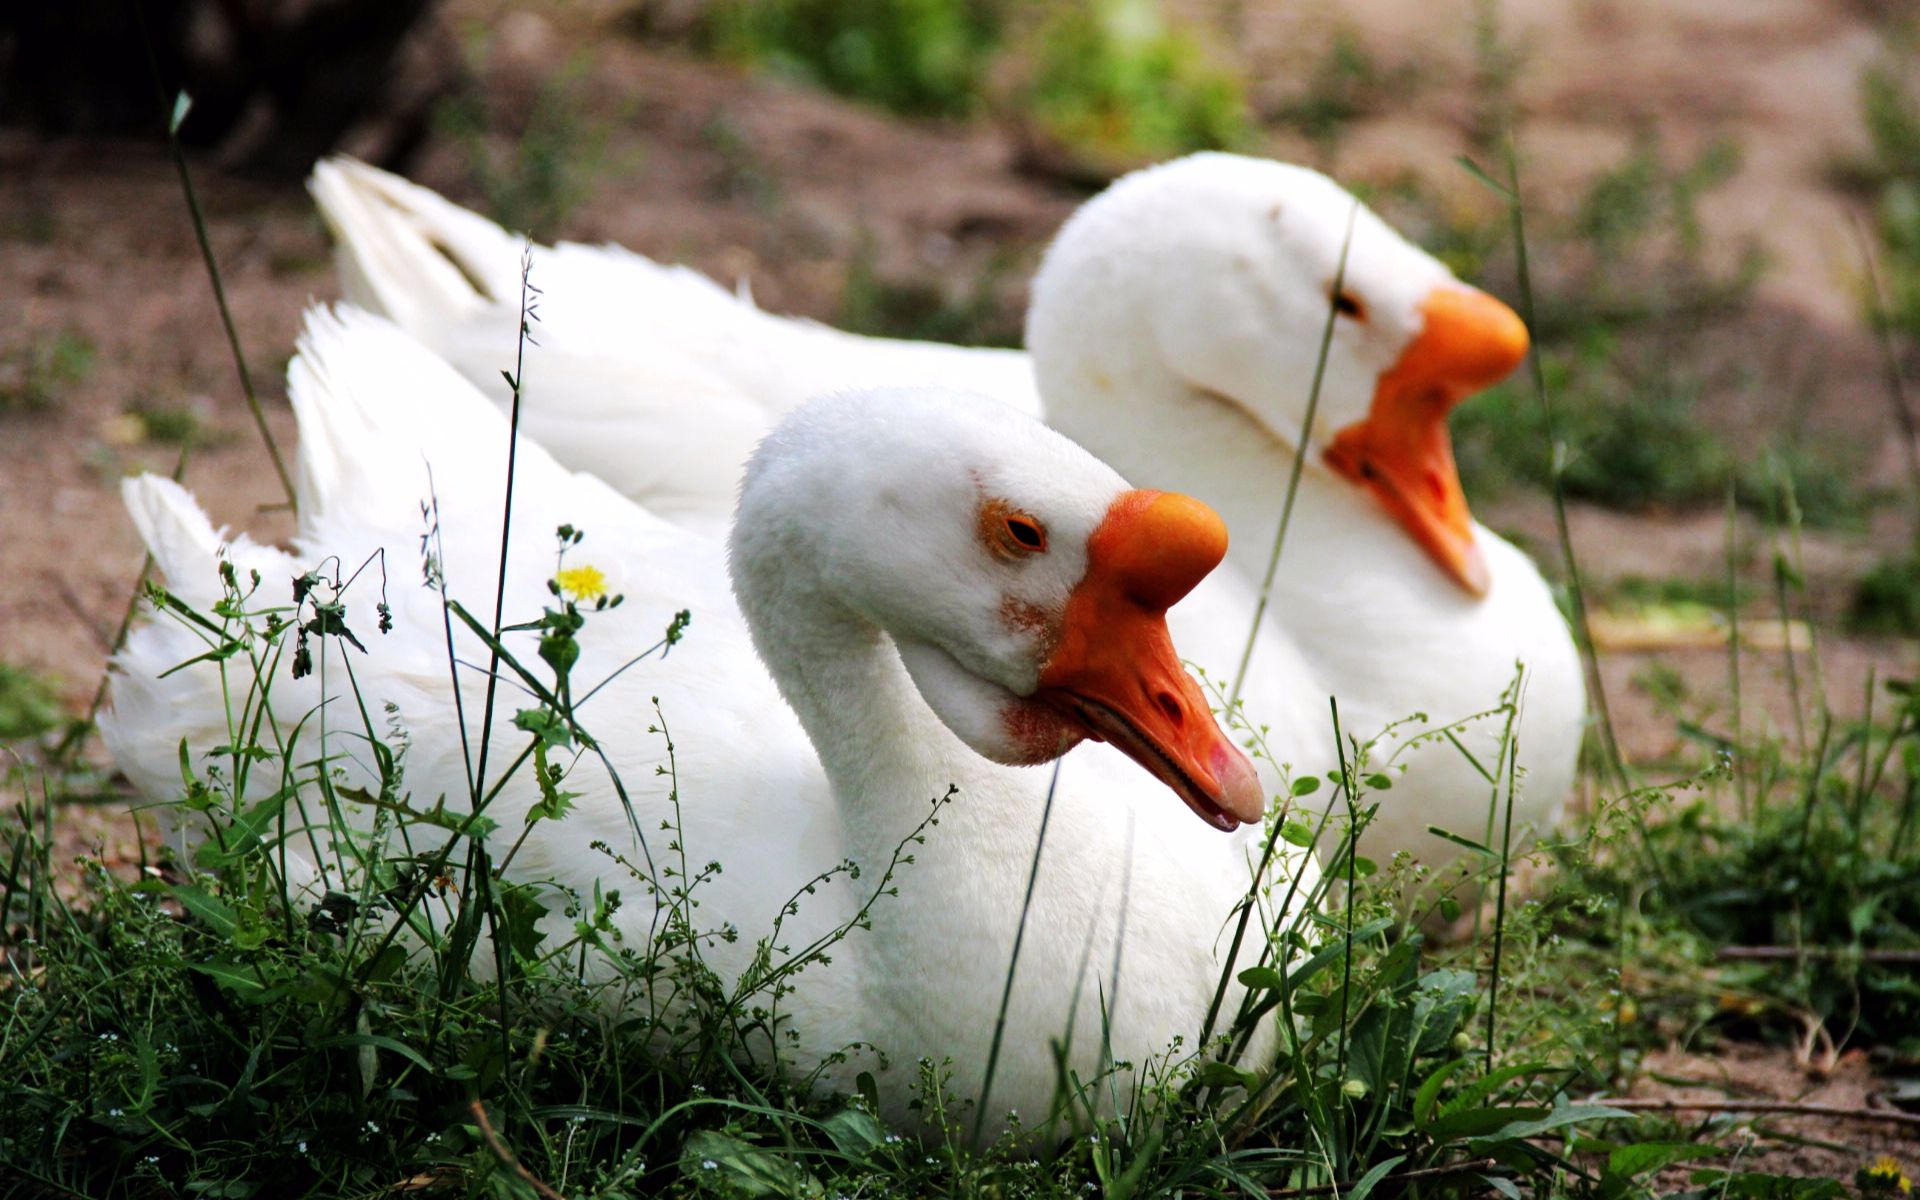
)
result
[(1174, 331)]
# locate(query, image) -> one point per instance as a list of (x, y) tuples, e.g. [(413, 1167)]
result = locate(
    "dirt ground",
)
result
[(751, 178)]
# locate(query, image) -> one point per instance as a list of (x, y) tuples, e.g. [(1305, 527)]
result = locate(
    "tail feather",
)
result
[(407, 254), (153, 706)]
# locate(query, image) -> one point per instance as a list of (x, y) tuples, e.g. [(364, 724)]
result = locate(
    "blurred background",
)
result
[(1722, 197)]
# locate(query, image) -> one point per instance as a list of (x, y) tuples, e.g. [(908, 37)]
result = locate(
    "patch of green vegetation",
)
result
[(550, 165), (1635, 442), (1785, 878), (1641, 592), (1348, 81), (29, 705), (1887, 598), (927, 308), (1113, 79), (174, 425), (33, 377), (914, 57), (418, 1016)]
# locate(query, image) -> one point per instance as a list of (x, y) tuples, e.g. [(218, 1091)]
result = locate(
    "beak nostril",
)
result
[(1170, 704)]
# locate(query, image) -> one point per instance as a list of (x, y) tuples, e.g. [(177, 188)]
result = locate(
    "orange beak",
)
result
[(1114, 671), (1401, 453)]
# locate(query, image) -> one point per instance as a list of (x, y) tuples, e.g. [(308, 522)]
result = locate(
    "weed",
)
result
[(174, 425), (1819, 861), (1112, 79), (1347, 82), (1636, 443), (34, 377), (926, 308), (547, 169), (914, 57), (1886, 599), (29, 704)]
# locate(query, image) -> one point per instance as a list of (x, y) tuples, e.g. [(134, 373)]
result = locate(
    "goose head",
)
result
[(1209, 279), (1023, 584)]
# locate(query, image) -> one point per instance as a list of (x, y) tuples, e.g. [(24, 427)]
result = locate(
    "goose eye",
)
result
[(1009, 533), (1027, 533), (1348, 305)]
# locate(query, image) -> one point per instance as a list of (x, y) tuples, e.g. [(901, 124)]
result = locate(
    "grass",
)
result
[(1113, 80), (926, 308), (253, 1043), (535, 170), (925, 58), (1637, 442), (1347, 81), (34, 377)]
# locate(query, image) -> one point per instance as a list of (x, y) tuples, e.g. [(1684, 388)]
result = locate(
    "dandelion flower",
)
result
[(583, 583), (1883, 1177)]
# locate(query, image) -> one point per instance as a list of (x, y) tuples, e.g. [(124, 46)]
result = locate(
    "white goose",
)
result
[(929, 581), (1174, 331)]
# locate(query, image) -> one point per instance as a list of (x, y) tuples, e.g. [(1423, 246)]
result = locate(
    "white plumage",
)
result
[(857, 544), (1175, 330)]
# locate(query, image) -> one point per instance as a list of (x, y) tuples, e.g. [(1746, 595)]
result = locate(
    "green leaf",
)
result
[(712, 1158), (1483, 1122), (1379, 1170), (1559, 1118), (235, 977), (520, 913), (216, 913), (246, 833), (1474, 169), (182, 105), (1457, 840), (1480, 1089), (1306, 785), (1644, 1158), (1296, 832), (1425, 1100), (378, 1042), (1262, 979), (546, 725), (854, 1132), (1225, 1075), (1758, 1185)]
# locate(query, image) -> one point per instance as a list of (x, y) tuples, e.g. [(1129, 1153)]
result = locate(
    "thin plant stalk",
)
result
[(1299, 460), (176, 114), (1890, 364), (1013, 958), (1740, 789), (528, 313), (1576, 591), (1512, 748)]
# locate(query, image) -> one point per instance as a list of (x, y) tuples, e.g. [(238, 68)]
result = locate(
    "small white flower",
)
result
[(303, 1146), (707, 1164), (113, 1112)]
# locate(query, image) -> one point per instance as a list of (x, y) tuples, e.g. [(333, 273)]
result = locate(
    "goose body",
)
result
[(885, 690), (1175, 329)]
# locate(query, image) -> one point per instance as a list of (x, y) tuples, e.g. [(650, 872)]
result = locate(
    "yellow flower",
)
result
[(582, 583), (1885, 1175)]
